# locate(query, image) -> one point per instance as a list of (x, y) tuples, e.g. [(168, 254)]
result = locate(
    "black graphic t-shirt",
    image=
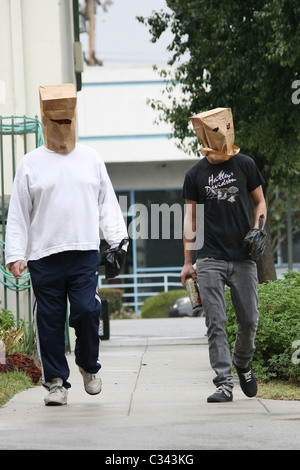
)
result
[(223, 189)]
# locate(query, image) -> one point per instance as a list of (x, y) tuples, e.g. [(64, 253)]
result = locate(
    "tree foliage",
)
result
[(277, 208), (242, 55)]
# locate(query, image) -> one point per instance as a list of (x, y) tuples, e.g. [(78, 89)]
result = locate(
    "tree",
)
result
[(242, 55), (88, 15), (277, 199)]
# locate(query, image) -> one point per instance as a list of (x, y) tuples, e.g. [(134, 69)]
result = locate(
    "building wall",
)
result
[(35, 43), (115, 118), (148, 175)]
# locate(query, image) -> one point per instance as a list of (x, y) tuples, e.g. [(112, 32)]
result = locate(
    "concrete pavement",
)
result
[(156, 378)]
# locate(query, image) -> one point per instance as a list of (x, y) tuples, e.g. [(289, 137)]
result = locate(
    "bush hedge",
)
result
[(114, 297), (159, 305), (277, 342)]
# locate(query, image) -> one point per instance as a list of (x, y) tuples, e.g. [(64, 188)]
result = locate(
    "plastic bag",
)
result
[(255, 240), (113, 259)]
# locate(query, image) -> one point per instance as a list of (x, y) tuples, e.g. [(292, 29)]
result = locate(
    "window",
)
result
[(154, 221)]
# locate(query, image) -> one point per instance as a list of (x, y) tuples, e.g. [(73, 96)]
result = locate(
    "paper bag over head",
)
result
[(58, 105), (215, 131)]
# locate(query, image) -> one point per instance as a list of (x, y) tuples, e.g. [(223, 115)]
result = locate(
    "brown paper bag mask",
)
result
[(215, 131), (58, 103)]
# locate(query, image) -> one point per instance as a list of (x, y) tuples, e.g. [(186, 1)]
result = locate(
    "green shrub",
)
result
[(11, 334), (278, 333), (28, 346), (7, 319), (125, 313), (17, 335), (159, 305), (114, 297)]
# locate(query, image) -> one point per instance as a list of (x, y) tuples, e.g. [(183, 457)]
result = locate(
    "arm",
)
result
[(189, 238), (18, 223), (259, 205), (111, 221)]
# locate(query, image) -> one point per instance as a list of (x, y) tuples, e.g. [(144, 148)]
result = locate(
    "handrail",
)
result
[(138, 288), (26, 125), (10, 128)]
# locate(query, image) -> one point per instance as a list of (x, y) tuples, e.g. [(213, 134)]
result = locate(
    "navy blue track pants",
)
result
[(56, 278)]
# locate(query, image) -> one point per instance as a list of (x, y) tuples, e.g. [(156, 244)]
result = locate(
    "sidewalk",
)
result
[(156, 378)]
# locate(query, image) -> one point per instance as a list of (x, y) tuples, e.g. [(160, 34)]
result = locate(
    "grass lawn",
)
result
[(12, 383), (278, 391)]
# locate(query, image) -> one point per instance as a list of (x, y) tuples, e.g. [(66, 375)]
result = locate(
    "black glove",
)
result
[(255, 240), (114, 259)]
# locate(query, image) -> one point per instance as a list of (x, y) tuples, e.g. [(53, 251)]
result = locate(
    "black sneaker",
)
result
[(247, 381), (221, 394)]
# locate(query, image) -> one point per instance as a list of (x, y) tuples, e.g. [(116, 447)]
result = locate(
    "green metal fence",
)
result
[(18, 135)]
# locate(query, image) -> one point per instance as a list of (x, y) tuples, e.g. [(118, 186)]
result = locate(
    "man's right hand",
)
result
[(16, 268), (186, 271)]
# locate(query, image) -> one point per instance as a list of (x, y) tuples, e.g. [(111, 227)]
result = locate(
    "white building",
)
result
[(115, 119), (36, 47), (146, 167)]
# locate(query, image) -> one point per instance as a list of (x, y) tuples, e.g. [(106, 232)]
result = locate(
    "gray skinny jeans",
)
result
[(241, 277)]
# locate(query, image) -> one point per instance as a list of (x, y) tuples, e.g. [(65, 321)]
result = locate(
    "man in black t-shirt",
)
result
[(222, 182)]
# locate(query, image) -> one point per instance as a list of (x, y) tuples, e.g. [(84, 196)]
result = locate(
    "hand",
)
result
[(16, 268), (186, 271)]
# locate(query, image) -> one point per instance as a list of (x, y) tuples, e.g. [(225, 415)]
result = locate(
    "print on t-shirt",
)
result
[(224, 190), (221, 187)]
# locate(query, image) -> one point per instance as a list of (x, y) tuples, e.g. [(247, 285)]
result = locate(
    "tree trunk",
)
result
[(91, 18)]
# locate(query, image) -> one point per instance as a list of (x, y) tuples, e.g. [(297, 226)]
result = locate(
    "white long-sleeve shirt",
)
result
[(61, 202)]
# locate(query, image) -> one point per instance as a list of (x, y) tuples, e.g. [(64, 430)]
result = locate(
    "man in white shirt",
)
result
[(62, 203)]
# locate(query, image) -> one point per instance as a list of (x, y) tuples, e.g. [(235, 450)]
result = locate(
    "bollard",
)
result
[(104, 320)]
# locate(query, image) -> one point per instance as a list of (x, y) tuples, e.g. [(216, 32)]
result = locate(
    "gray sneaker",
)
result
[(92, 382), (222, 394), (58, 394)]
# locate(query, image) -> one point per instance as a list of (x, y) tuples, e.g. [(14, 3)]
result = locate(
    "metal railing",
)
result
[(137, 287), (18, 135)]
